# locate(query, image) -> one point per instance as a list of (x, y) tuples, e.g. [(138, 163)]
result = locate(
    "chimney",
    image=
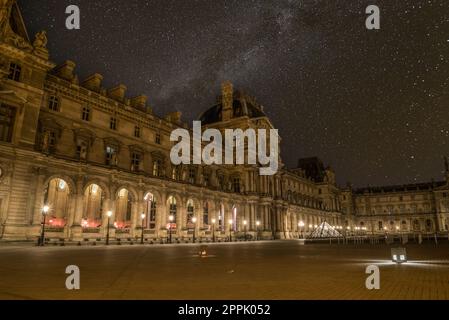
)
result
[(174, 117), (118, 92), (227, 100), (65, 70), (139, 102), (93, 82)]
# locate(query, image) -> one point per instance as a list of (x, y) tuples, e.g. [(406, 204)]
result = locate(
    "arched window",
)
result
[(404, 225), (93, 206), (56, 197), (380, 225), (172, 209), (124, 205), (416, 225)]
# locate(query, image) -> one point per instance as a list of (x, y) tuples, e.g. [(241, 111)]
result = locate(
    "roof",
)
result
[(241, 108)]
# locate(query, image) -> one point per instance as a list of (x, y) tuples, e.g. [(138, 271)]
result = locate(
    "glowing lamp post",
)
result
[(170, 219), (109, 214), (45, 211), (230, 229), (141, 236), (213, 229), (257, 230), (245, 224), (194, 228)]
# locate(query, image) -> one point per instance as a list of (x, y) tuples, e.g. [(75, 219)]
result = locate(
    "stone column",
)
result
[(76, 229), (39, 201)]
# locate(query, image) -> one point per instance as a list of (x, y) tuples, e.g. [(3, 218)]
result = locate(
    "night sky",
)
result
[(372, 104)]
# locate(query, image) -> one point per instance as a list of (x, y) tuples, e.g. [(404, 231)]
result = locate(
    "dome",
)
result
[(241, 107)]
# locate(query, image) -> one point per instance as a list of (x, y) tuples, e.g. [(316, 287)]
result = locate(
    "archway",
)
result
[(93, 206), (56, 197), (123, 209)]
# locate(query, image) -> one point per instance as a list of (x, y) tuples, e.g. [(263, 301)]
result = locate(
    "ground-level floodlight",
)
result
[(399, 255)]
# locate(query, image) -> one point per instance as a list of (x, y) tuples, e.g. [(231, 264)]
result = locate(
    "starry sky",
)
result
[(372, 104)]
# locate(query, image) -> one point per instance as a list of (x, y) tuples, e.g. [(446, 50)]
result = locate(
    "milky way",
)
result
[(372, 104)]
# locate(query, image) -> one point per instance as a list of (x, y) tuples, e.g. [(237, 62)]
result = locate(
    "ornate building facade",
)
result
[(85, 151)]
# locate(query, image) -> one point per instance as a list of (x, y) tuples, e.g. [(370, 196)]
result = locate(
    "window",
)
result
[(380, 225), (111, 156), (158, 138), (236, 185), (192, 175), (14, 72), (221, 181), (206, 177), (135, 161), (137, 131), (48, 143), (81, 150), (176, 173), (86, 114), (157, 164), (53, 103), (113, 123), (7, 117)]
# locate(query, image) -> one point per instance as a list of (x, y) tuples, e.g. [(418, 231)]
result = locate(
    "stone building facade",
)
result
[(84, 150)]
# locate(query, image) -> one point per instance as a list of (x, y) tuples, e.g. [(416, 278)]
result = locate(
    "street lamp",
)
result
[(170, 219), (141, 236), (194, 228), (257, 230), (45, 211), (301, 225), (230, 229), (213, 229), (109, 214), (245, 223)]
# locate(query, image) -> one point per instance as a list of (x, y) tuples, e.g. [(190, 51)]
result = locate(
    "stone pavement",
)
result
[(256, 270)]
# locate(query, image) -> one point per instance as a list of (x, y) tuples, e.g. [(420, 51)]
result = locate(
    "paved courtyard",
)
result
[(263, 270)]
